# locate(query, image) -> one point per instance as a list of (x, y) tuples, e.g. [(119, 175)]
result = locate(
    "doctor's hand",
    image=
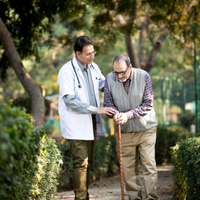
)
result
[(120, 118), (106, 110)]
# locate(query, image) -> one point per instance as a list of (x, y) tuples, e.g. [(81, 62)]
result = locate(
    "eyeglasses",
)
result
[(90, 54), (123, 72)]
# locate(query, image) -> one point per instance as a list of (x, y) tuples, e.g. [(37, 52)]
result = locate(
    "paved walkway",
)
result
[(109, 188)]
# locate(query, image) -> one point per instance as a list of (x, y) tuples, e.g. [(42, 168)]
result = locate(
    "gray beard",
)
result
[(122, 81)]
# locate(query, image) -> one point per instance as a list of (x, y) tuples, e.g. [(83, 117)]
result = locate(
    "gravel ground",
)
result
[(109, 188)]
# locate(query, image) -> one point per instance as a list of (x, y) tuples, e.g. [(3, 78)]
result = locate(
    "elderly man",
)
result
[(129, 91)]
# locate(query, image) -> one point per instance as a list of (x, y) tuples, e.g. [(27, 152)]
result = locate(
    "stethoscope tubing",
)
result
[(79, 84)]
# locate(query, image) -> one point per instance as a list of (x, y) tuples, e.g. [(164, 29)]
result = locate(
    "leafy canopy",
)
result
[(27, 20)]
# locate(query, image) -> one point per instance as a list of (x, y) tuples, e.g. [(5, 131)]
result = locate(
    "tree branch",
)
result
[(130, 46), (156, 47)]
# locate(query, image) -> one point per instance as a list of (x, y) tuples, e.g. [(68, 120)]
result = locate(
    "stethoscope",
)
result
[(79, 84)]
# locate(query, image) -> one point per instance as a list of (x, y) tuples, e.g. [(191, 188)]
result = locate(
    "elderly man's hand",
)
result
[(120, 118)]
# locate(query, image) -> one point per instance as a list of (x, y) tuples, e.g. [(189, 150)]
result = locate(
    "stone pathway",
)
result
[(109, 188)]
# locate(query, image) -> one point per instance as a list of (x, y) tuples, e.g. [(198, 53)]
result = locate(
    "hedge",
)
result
[(186, 161), (187, 119), (167, 138), (106, 159), (65, 177), (29, 161)]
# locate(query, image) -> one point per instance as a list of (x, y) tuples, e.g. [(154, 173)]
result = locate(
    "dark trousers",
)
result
[(83, 158)]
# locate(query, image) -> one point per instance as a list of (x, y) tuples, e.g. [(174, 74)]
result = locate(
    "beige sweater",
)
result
[(126, 102)]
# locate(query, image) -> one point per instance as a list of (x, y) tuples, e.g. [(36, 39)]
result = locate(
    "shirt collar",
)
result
[(80, 65), (131, 76)]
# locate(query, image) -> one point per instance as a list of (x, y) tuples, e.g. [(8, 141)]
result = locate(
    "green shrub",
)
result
[(29, 161), (186, 161), (187, 120), (106, 157), (166, 138), (65, 178), (48, 169)]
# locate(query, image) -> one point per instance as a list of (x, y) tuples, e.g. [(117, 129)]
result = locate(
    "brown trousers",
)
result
[(135, 145), (83, 158)]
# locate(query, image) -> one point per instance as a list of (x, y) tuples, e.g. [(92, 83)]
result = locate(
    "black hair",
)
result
[(122, 57), (81, 42)]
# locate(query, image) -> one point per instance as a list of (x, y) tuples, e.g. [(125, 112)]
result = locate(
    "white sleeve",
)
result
[(66, 81)]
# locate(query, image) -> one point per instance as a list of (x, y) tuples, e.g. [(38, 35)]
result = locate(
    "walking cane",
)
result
[(120, 161)]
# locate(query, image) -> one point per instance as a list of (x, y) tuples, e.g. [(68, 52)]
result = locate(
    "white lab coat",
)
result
[(75, 125)]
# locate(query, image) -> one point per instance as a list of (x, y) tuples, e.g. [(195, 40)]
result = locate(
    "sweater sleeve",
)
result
[(147, 101), (108, 100)]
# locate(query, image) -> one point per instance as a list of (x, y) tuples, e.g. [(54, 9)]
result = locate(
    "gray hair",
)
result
[(123, 57)]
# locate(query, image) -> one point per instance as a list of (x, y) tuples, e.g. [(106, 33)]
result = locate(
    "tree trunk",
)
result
[(142, 51), (130, 46), (143, 35), (32, 88), (156, 47)]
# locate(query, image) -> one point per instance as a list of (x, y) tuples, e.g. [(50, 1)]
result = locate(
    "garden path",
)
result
[(109, 188)]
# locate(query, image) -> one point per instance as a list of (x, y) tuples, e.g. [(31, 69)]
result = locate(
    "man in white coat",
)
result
[(79, 108)]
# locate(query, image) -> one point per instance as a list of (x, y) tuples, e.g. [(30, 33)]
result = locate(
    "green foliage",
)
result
[(105, 161), (27, 20), (63, 31), (185, 158), (45, 180), (15, 136), (29, 160), (175, 17), (65, 177), (167, 138), (106, 158), (178, 16), (66, 157), (25, 102), (187, 119), (169, 56)]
